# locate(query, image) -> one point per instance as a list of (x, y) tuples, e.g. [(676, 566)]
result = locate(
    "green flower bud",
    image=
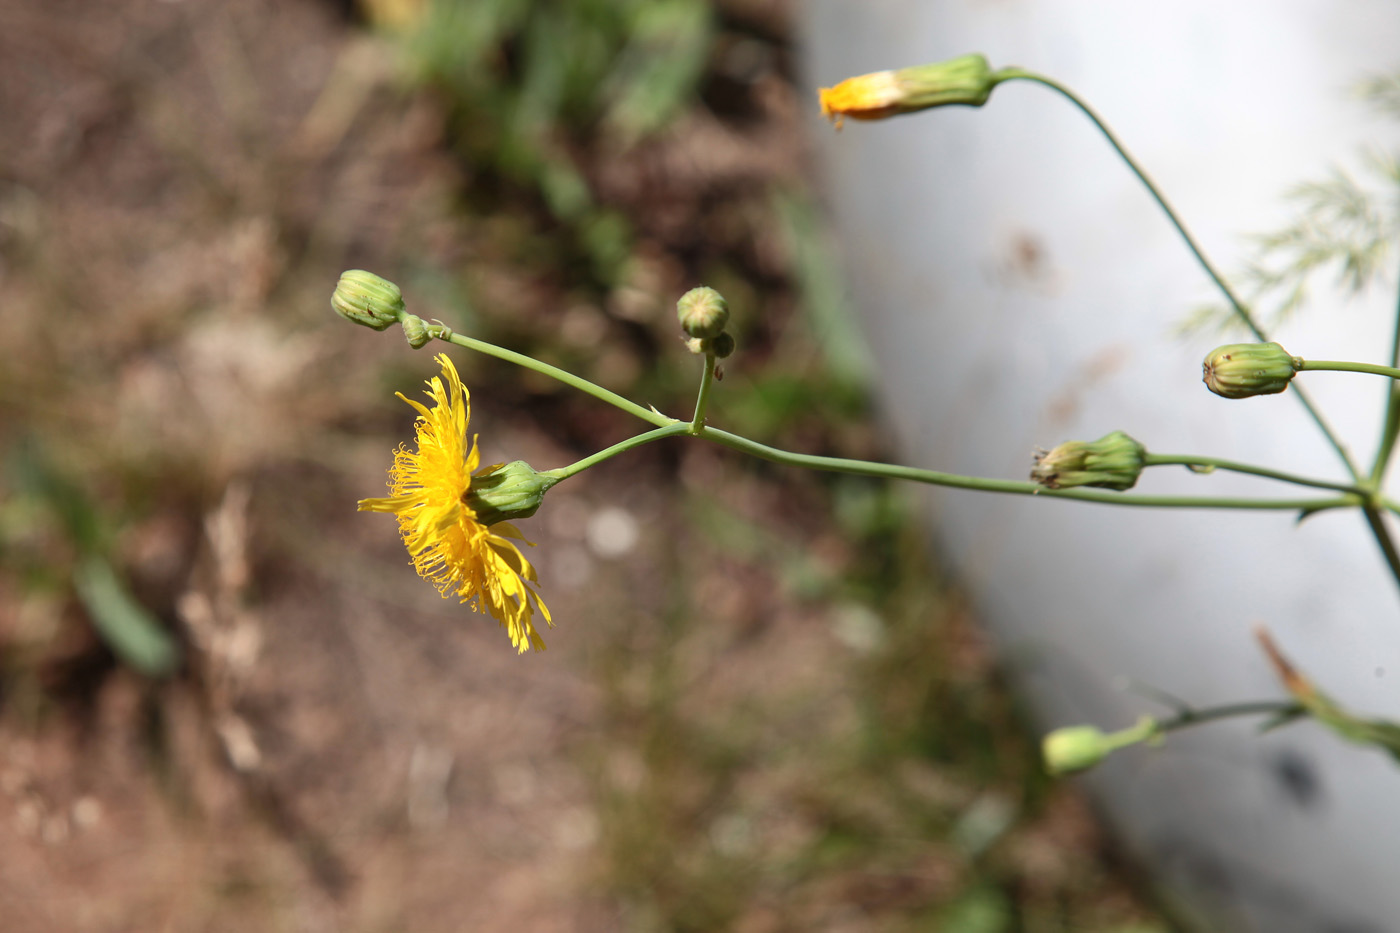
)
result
[(1114, 461), (1079, 748), (722, 345), (506, 492), (1240, 370), (416, 331), (365, 298), (1074, 748), (703, 312)]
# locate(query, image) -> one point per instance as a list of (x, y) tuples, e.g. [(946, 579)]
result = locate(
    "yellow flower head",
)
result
[(449, 545)]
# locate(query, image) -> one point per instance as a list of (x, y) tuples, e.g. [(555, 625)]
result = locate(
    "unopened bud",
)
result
[(1074, 748), (1114, 461), (1079, 748), (703, 312), (1242, 370), (415, 331), (367, 299), (722, 346), (507, 492), (966, 80)]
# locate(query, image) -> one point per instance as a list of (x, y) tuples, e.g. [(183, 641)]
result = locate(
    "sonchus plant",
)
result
[(455, 516)]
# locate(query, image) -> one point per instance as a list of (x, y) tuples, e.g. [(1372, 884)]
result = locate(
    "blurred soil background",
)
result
[(226, 701)]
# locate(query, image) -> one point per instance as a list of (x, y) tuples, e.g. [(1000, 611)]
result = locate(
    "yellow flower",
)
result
[(448, 543)]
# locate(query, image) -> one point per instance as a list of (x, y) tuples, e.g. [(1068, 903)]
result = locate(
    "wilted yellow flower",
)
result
[(966, 80), (865, 97), (429, 492)]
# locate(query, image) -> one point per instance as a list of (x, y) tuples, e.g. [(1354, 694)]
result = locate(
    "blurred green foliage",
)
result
[(530, 83), (1345, 224), (896, 789)]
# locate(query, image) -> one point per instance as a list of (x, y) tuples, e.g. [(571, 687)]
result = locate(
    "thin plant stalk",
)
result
[(1345, 366), (1391, 426), (650, 415), (702, 400), (1015, 487), (1189, 716), (671, 427), (1215, 463)]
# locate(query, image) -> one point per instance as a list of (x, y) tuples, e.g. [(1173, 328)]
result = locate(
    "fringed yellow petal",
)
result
[(449, 547)]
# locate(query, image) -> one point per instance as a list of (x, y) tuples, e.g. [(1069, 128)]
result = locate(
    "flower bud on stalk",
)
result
[(1079, 748), (966, 80), (416, 331), (703, 312), (1074, 748), (506, 492), (365, 298), (1242, 370), (721, 345), (1114, 461)]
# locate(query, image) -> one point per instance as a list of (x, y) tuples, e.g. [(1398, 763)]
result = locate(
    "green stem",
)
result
[(1376, 522), (1342, 366), (670, 430), (1391, 425), (1214, 463), (649, 415), (702, 401), (1389, 432), (1241, 310), (670, 427), (1014, 487), (1194, 717)]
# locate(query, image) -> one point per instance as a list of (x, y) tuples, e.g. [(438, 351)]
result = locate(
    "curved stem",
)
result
[(1240, 308), (649, 415), (670, 430), (1215, 463), (1342, 366), (1014, 487)]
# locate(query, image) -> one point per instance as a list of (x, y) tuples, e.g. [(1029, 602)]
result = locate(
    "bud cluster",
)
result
[(703, 314)]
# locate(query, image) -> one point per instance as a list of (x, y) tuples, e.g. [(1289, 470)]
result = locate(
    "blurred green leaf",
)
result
[(133, 634), (36, 477), (980, 910), (822, 288), (657, 71)]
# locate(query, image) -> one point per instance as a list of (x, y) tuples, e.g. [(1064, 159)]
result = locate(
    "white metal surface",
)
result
[(1019, 289)]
